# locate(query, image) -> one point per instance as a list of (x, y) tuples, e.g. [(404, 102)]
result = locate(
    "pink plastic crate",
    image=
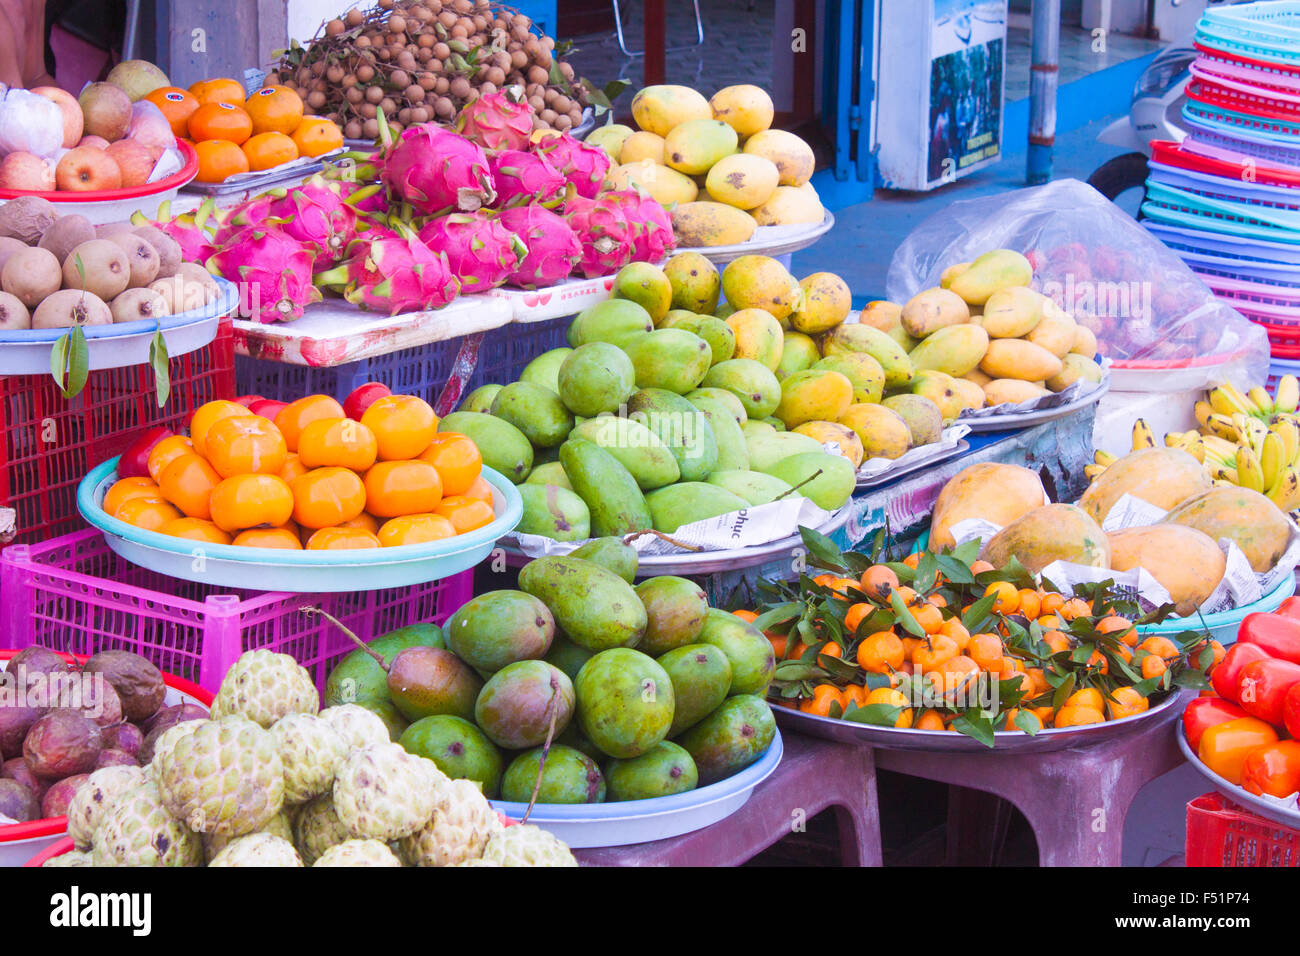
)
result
[(74, 594)]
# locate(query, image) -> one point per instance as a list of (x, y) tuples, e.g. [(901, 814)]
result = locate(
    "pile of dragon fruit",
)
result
[(450, 212)]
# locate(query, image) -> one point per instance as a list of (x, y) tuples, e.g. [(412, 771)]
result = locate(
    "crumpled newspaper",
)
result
[(878, 467)]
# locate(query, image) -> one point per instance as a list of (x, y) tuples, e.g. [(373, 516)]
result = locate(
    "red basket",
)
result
[(1219, 833), (74, 594), (47, 443)]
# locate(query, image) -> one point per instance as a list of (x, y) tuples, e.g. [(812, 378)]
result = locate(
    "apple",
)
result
[(85, 168), (362, 397), (73, 121), (134, 462), (267, 408), (133, 159), (97, 142), (22, 170)]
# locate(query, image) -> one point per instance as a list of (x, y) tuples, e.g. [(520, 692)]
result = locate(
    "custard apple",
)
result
[(258, 849), (477, 862), (224, 778), (265, 686), (167, 740), (458, 831), (358, 726), (280, 826), (358, 853), (139, 831), (71, 858), (311, 751), (318, 828), (527, 845), (383, 793), (96, 797)]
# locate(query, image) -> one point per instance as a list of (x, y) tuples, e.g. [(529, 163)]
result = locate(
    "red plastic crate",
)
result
[(1220, 833), (49, 443), (74, 594)]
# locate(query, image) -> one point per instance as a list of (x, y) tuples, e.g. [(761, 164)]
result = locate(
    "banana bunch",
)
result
[(1225, 406), (1143, 437)]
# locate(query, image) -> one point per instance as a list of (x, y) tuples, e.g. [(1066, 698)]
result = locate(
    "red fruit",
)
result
[(362, 397), (248, 400), (267, 407), (1227, 671), (1203, 713), (1263, 686), (134, 461)]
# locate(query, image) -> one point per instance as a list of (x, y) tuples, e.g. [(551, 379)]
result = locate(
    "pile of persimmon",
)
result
[(310, 478), (1052, 660)]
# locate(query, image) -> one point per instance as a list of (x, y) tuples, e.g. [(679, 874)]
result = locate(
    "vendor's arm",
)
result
[(22, 44)]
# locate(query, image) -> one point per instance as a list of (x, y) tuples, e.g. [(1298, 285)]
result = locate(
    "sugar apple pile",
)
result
[(273, 780)]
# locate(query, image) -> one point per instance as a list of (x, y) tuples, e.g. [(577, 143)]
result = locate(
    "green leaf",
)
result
[(779, 614), (1063, 691), (904, 616), (614, 89), (1191, 678), (822, 549), (967, 552), (161, 375), (955, 571), (977, 727), (1028, 722), (881, 715), (796, 670), (978, 612), (70, 362)]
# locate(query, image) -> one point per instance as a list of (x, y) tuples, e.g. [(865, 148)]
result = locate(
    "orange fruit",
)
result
[(1075, 607), (187, 482), (125, 488), (907, 594), (457, 460), (245, 444), (894, 698), (341, 539), (480, 489), (855, 615), (880, 652), (296, 416), (415, 529), (830, 649), (929, 617), (167, 451), (337, 443), (954, 628), (396, 488), (266, 150), (1030, 602), (1126, 703), (1113, 623), (1007, 598), (1087, 697), (778, 646), (404, 425), (221, 90), (246, 501), (1037, 682), (745, 615), (365, 521), (327, 497), (986, 651), (877, 581), (316, 136), (176, 105), (465, 514), (929, 720), (225, 122), (854, 694), (1153, 666), (195, 529), (280, 538), (823, 696), (1057, 641), (274, 109), (912, 560), (953, 675), (149, 512), (293, 467), (932, 652), (219, 160), (1074, 716), (207, 415), (1051, 603)]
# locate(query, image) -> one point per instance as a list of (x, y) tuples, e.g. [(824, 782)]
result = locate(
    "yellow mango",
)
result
[(742, 180), (934, 309), (862, 370), (610, 138), (992, 271), (761, 282), (1073, 368), (826, 303), (643, 145), (792, 156), (1001, 391), (789, 206), (758, 336), (814, 395), (1055, 331), (1012, 312), (711, 224), (955, 350), (659, 108), (1085, 342), (952, 272), (666, 185), (846, 438), (1018, 358), (882, 431), (694, 146), (745, 108)]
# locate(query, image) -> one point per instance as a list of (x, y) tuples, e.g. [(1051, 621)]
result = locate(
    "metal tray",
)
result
[(767, 241), (1036, 416)]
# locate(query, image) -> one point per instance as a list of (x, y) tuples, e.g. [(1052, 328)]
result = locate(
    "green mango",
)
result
[(754, 486), (731, 738), (610, 553), (766, 450), (569, 776), (675, 609), (595, 378), (719, 335), (752, 382), (732, 450), (956, 350), (612, 495), (689, 501), (554, 512), (497, 628), (566, 655), (776, 423), (387, 711), (855, 337), (548, 473), (545, 369), (681, 427), (358, 678), (799, 354), (750, 653), (645, 284), (701, 676), (595, 607), (461, 750), (503, 446), (536, 411), (637, 449), (480, 400), (663, 770), (922, 415), (829, 490), (679, 319), (515, 706), (625, 702), (727, 399), (753, 427), (616, 321), (673, 359), (863, 371)]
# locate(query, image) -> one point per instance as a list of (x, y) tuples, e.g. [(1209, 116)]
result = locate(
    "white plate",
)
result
[(767, 241), (1009, 420)]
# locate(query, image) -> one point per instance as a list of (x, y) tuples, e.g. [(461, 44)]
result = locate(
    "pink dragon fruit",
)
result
[(605, 233), (317, 214), (393, 274), (523, 178), (273, 272), (501, 120), (437, 170), (250, 212), (553, 249), (653, 226), (191, 231), (584, 166), (365, 197), (479, 249)]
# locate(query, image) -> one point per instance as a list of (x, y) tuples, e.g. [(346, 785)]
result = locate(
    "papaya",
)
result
[(1257, 526), (992, 491), (1164, 477), (1186, 562), (1056, 532)]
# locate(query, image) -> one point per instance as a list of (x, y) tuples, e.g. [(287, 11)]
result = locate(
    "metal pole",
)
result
[(1043, 75)]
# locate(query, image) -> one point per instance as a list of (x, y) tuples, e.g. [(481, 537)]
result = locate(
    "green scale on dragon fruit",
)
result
[(392, 274), (480, 250)]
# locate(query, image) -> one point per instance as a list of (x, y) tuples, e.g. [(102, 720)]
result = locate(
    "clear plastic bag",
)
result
[(1148, 310)]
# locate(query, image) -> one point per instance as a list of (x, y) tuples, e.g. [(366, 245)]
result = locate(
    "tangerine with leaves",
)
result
[(878, 581)]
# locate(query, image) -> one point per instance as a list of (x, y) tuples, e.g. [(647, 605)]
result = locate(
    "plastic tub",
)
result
[(1223, 625)]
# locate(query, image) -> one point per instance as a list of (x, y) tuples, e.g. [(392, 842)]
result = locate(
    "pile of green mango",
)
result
[(660, 413), (645, 690)]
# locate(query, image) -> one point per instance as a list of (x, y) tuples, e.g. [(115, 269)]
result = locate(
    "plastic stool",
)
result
[(814, 775)]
